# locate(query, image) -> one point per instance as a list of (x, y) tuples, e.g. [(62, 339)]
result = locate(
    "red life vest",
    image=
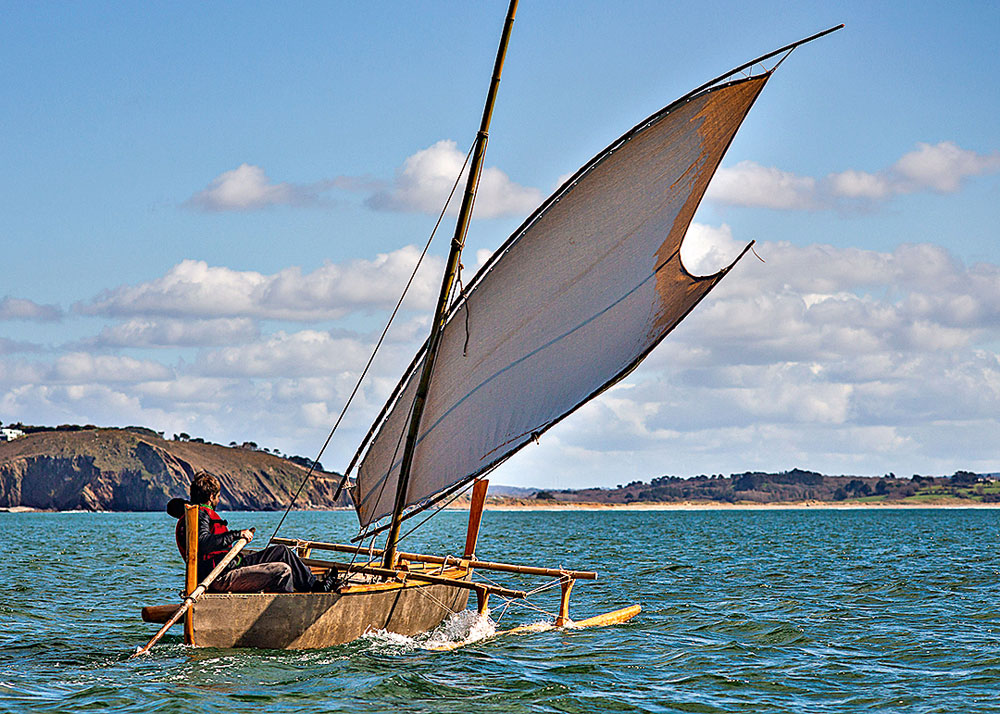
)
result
[(218, 527)]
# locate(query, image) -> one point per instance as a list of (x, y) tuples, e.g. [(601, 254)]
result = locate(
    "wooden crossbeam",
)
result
[(442, 560)]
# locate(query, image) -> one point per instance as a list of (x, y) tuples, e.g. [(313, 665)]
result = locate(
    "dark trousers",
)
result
[(275, 569)]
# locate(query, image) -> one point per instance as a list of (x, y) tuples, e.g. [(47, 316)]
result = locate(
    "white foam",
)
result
[(385, 641), (462, 628)]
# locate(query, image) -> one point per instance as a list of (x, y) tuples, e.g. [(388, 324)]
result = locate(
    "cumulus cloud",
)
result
[(85, 368), (140, 332), (12, 308), (750, 184), (192, 288), (425, 179), (938, 168), (304, 353), (421, 185), (248, 188), (708, 249)]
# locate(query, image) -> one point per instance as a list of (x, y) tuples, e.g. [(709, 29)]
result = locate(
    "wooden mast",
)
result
[(457, 243)]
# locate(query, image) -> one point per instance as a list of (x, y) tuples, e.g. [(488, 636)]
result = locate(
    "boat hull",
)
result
[(313, 620)]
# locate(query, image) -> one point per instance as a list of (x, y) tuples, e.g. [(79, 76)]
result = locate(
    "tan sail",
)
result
[(590, 284)]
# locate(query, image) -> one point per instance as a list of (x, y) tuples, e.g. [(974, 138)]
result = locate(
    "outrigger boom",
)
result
[(439, 560)]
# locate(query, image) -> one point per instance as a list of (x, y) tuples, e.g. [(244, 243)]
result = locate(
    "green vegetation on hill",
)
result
[(791, 486)]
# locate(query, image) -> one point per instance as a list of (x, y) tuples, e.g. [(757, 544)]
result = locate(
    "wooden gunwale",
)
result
[(161, 613), (443, 560)]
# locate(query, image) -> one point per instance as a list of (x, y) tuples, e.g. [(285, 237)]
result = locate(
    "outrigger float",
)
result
[(567, 307)]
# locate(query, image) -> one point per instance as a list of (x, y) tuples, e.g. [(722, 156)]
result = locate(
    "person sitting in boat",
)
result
[(276, 568)]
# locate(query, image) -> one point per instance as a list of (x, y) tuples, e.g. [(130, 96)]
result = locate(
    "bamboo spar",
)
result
[(457, 243), (442, 560)]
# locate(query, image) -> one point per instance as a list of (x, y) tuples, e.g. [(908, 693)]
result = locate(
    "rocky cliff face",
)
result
[(123, 470)]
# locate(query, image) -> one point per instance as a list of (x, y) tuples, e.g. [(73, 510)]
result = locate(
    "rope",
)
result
[(465, 347), (371, 359), (443, 606)]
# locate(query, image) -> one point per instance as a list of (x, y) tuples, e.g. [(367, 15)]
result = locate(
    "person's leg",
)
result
[(263, 577), (302, 578)]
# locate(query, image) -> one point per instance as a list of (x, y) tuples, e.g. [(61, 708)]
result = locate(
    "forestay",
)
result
[(571, 304)]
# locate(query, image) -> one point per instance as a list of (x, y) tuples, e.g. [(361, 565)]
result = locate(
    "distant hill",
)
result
[(134, 469), (792, 486), (512, 491)]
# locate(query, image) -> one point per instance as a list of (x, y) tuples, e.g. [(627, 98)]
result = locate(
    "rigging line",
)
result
[(371, 557), (444, 606), (531, 606), (503, 610), (542, 588), (784, 57), (371, 359)]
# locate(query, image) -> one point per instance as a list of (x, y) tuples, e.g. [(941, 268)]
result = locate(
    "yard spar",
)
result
[(568, 306)]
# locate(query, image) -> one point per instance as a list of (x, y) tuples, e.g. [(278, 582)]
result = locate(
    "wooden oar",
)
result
[(195, 594)]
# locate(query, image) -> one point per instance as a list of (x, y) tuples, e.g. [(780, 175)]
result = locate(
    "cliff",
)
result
[(135, 470)]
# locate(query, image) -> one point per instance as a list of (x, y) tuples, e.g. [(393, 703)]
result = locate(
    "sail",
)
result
[(571, 303)]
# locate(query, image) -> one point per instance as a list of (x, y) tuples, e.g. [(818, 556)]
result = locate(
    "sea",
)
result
[(809, 610)]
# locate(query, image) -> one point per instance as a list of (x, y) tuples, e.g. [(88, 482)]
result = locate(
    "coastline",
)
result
[(719, 506), (679, 506)]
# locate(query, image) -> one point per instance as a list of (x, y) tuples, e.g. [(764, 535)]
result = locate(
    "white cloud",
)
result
[(192, 288), (139, 332), (304, 353), (84, 368), (707, 249), (939, 168), (12, 308), (859, 184), (421, 185), (425, 179), (750, 184), (248, 188)]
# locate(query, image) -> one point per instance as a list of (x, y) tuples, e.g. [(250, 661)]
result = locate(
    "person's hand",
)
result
[(247, 533)]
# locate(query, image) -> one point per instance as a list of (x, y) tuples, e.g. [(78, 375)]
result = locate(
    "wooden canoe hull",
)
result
[(313, 620)]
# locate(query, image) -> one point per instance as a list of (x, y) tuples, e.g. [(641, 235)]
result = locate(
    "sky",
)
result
[(207, 211)]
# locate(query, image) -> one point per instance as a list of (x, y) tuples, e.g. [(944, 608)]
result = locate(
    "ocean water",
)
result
[(743, 611)]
